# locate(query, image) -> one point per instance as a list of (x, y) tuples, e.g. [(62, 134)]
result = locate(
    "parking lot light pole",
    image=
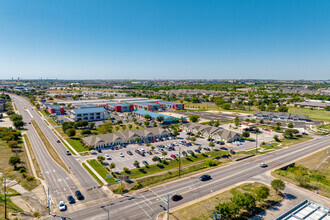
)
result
[(179, 162), (121, 183), (256, 142)]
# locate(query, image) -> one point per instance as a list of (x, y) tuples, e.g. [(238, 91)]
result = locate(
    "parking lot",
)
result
[(127, 160)]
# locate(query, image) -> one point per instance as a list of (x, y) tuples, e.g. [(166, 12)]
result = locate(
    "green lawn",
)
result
[(100, 170), (75, 143), (320, 115), (93, 174), (45, 113)]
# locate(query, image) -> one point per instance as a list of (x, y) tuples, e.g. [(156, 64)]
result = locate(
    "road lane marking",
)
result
[(142, 208)]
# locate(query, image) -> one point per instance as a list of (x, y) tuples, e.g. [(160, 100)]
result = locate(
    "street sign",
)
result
[(116, 181), (108, 176)]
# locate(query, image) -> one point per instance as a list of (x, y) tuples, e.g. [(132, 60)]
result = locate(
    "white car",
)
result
[(62, 206), (263, 165), (121, 154), (107, 156)]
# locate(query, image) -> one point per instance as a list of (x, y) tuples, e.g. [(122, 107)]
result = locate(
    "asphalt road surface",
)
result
[(145, 205), (61, 183)]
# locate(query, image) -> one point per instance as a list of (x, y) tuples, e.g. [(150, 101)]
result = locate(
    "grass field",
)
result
[(45, 113), (52, 152), (205, 106), (11, 207), (311, 167), (92, 174), (33, 157), (10, 172), (100, 170), (320, 115), (74, 142), (202, 209)]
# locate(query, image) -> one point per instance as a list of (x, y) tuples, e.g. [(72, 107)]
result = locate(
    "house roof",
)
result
[(88, 110), (123, 135)]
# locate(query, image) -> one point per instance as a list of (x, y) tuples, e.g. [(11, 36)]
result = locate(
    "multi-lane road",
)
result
[(60, 183), (145, 205)]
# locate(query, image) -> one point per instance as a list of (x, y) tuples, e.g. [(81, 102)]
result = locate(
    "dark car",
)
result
[(205, 177), (129, 152), (223, 148), (71, 199), (79, 195), (176, 197), (206, 148), (145, 162), (197, 151), (99, 150), (58, 141)]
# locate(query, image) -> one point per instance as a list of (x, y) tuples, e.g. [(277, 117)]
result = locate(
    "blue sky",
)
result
[(165, 39)]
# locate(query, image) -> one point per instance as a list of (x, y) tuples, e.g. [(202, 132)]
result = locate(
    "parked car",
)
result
[(99, 150), (176, 197), (71, 200), (189, 151), (197, 151), (223, 148), (62, 206), (263, 165), (58, 141), (206, 148), (205, 177), (129, 152), (107, 156), (173, 156), (68, 152), (145, 162), (79, 195), (121, 154)]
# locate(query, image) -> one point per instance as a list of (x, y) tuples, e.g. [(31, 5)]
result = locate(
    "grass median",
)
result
[(100, 170), (51, 150), (92, 174), (33, 156)]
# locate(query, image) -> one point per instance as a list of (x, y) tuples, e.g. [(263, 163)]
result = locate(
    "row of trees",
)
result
[(246, 201)]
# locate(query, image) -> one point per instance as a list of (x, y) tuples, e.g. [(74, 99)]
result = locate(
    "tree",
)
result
[(261, 121), (227, 209), (10, 112), (164, 153), (154, 124), (261, 193), (136, 163), (192, 153), (1, 116), (225, 106), (246, 134), (16, 117), (86, 131), (288, 133), (123, 127), (160, 119), (244, 200), (271, 107), (236, 120), (175, 133), (155, 159), (12, 144), (211, 144), (146, 123), (18, 124), (184, 153), (91, 125), (210, 163), (117, 128), (147, 117), (193, 139), (276, 138), (112, 166), (282, 108), (71, 132), (100, 159), (14, 161), (134, 120), (290, 125), (194, 118), (130, 126), (277, 185)]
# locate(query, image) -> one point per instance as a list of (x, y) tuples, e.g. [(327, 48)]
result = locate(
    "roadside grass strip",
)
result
[(52, 152), (11, 207), (92, 174), (75, 143), (69, 148), (33, 156), (100, 170)]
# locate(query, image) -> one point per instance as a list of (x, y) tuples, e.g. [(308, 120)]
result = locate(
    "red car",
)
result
[(266, 129), (180, 130), (173, 156)]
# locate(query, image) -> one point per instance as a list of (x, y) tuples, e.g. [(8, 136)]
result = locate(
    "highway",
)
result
[(145, 205), (61, 183)]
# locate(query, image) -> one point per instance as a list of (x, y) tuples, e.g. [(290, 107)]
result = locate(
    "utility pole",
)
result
[(48, 200), (179, 162), (5, 193), (121, 183), (168, 206), (256, 142)]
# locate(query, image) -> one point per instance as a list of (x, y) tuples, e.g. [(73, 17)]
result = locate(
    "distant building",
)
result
[(149, 106), (281, 116), (170, 105), (125, 137), (85, 106), (154, 115), (55, 109), (89, 114), (120, 107), (216, 133), (318, 104)]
